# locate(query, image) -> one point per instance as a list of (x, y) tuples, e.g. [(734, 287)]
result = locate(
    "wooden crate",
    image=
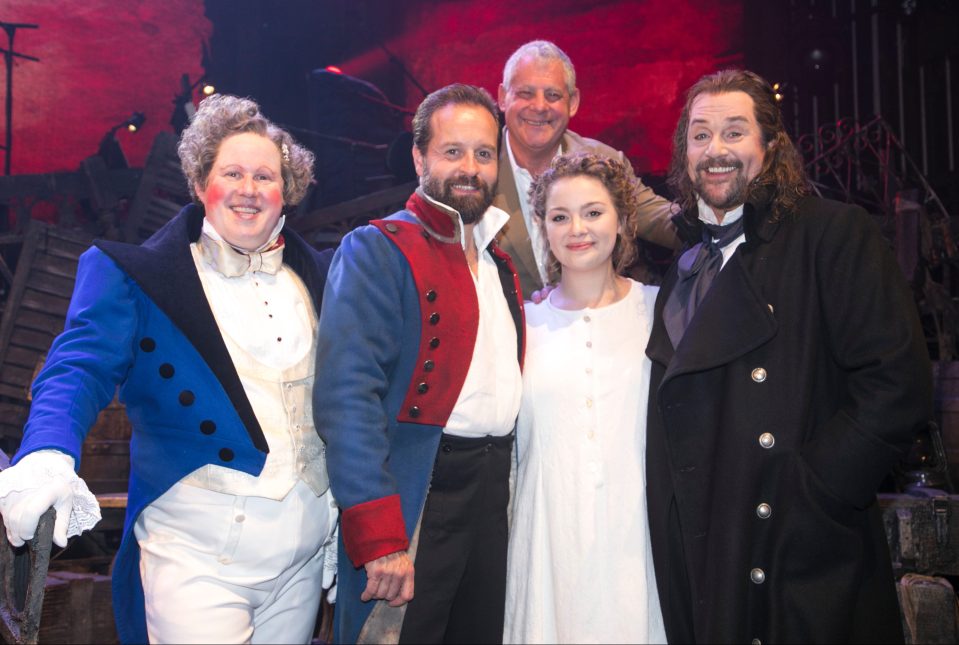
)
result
[(946, 382), (33, 315), (77, 608), (162, 191), (923, 532), (325, 227), (929, 610), (105, 460), (105, 465)]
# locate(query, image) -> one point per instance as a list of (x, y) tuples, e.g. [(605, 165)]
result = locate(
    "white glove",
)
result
[(329, 565), (40, 480)]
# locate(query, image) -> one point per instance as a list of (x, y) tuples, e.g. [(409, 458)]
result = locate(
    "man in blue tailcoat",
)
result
[(208, 330)]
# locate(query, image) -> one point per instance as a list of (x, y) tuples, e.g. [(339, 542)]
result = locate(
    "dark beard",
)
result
[(737, 193), (470, 208)]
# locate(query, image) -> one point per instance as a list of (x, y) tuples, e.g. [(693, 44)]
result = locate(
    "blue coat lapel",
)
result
[(163, 268)]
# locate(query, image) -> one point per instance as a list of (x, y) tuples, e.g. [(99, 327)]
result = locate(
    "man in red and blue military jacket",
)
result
[(421, 342)]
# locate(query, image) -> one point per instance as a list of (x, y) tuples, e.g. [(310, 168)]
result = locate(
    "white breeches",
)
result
[(219, 568)]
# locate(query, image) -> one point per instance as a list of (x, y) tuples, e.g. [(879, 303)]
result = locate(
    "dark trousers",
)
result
[(460, 580)]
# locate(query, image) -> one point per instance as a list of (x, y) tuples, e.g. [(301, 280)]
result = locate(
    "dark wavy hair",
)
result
[(455, 94), (219, 117), (782, 180), (618, 181)]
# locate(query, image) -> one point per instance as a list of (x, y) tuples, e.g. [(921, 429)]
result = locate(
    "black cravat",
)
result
[(696, 270)]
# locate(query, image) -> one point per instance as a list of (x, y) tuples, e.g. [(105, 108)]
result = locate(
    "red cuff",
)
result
[(373, 529)]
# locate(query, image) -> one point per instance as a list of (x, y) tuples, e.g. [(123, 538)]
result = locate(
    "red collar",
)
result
[(442, 221)]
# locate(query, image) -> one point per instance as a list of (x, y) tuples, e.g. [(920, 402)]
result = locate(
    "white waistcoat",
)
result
[(282, 400)]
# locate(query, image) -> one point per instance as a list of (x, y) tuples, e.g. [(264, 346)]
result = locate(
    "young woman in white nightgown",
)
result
[(580, 567)]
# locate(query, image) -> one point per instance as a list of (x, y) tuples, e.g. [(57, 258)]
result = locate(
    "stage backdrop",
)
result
[(102, 59), (633, 59)]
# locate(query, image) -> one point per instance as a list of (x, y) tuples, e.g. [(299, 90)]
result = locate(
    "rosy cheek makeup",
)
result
[(214, 195), (273, 195)]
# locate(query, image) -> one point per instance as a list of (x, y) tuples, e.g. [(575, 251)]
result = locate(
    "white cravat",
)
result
[(264, 313), (706, 214)]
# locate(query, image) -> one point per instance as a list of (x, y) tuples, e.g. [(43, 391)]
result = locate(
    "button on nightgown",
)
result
[(580, 567)]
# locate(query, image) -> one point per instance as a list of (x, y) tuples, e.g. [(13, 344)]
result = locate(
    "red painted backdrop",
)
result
[(100, 60), (633, 59), (103, 59)]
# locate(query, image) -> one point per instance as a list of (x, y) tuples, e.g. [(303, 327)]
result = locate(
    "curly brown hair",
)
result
[(618, 181), (221, 116), (782, 176)]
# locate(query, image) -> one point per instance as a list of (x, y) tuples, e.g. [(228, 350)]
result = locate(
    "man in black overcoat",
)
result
[(789, 376)]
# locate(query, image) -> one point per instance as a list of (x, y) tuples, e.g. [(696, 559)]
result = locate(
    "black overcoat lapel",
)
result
[(733, 319)]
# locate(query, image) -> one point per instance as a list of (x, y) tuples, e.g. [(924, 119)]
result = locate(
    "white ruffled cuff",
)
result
[(86, 510), (329, 565), (46, 469)]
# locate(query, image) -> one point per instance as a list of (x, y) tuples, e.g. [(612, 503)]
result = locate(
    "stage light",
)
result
[(334, 69), (110, 149), (779, 91), (136, 121), (208, 89)]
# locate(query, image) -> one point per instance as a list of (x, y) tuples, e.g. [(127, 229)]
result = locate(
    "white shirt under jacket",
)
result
[(489, 400)]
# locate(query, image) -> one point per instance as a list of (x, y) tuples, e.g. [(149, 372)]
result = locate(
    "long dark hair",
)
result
[(782, 177)]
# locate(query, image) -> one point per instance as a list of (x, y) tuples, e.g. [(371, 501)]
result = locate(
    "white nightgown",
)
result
[(580, 566)]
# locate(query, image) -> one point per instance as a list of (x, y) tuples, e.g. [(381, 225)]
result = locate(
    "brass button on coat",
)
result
[(758, 576), (764, 510), (759, 375), (767, 440), (391, 227)]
